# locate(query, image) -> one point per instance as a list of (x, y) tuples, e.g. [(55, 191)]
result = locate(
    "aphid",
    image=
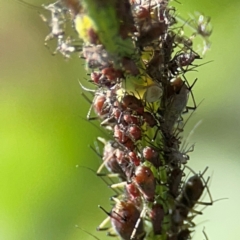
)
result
[(149, 119), (156, 216), (152, 155), (143, 13), (65, 47), (174, 181), (191, 192), (110, 160), (203, 26), (145, 181), (96, 56), (73, 5), (130, 66), (132, 103), (176, 102), (181, 60), (124, 216), (57, 20), (133, 193), (134, 132), (134, 158), (112, 73), (120, 133), (151, 33), (184, 234)]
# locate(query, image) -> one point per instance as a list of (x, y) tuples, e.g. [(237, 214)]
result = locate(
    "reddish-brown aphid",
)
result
[(143, 13), (99, 105), (112, 73), (130, 119), (134, 158), (124, 217), (120, 134), (132, 103), (191, 193), (174, 181), (73, 5), (130, 66), (145, 181), (157, 216), (95, 76), (134, 132), (152, 156), (133, 192), (111, 160)]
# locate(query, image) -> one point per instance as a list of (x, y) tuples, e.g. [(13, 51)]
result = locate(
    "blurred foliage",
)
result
[(44, 134)]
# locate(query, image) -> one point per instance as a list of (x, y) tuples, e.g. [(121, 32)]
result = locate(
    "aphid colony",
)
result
[(140, 94)]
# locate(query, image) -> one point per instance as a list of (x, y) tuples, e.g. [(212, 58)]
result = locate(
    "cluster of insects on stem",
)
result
[(140, 92)]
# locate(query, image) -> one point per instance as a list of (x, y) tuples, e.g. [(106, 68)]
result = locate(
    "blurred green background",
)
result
[(43, 134)]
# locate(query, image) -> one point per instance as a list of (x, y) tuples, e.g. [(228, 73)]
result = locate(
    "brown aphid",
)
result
[(157, 215), (124, 217), (134, 158), (181, 60), (120, 133), (145, 181), (149, 119), (130, 66), (177, 97), (73, 5), (182, 235), (95, 77), (130, 118), (112, 73), (134, 132), (111, 161), (132, 103), (133, 192), (150, 33), (174, 181), (152, 156), (191, 193), (143, 13), (99, 105)]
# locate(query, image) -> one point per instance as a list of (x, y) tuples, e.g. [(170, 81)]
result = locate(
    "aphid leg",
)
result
[(142, 215), (87, 232), (193, 99), (204, 233)]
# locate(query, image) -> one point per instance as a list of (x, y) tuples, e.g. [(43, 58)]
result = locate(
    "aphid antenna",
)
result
[(93, 171), (91, 122), (186, 141), (76, 226), (204, 233), (95, 151), (193, 68), (29, 5)]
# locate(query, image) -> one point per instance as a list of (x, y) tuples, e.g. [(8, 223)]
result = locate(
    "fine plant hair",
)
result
[(138, 54)]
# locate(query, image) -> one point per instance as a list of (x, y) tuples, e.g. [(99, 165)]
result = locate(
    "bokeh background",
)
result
[(43, 134)]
